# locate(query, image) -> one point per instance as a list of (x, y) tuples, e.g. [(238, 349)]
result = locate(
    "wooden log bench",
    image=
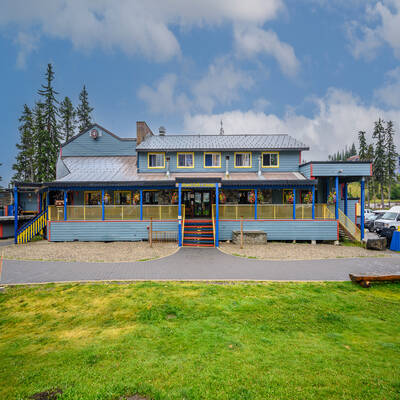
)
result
[(365, 280)]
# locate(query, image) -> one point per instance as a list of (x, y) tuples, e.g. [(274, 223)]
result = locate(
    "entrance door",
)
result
[(202, 204)]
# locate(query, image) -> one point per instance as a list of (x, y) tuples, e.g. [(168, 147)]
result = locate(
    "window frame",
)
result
[(117, 192), (212, 153), (155, 154), (269, 166), (86, 195), (184, 153), (243, 152)]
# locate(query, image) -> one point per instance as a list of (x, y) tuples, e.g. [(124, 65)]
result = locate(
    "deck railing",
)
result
[(113, 212)]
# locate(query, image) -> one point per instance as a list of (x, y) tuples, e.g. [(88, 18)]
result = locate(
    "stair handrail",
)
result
[(30, 222), (213, 220), (183, 223), (349, 225)]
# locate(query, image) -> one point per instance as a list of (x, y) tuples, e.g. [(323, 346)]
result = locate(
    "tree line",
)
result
[(44, 127), (344, 154)]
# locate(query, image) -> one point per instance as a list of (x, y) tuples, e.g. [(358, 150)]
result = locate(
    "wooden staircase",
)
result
[(198, 233), (33, 227)]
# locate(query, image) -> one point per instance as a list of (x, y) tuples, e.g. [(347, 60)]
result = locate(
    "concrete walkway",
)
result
[(195, 264)]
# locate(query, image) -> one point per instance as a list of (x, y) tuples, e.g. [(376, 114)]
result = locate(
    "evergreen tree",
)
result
[(43, 146), (391, 155), (25, 160), (362, 145), (49, 113), (379, 165), (84, 110), (68, 119), (353, 150), (370, 180)]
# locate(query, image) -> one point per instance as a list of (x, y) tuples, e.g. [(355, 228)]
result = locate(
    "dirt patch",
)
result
[(89, 251), (51, 394), (297, 251)]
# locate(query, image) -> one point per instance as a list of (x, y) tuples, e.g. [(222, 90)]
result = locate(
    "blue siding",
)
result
[(28, 201), (283, 230), (104, 145), (8, 229), (306, 170), (288, 162), (106, 230), (349, 169)]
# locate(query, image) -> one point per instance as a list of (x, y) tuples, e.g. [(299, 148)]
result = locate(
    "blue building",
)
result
[(195, 188)]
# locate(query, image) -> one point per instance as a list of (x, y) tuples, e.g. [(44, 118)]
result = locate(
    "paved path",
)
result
[(195, 264)]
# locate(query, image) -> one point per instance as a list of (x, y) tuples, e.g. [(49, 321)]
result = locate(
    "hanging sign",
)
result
[(197, 185)]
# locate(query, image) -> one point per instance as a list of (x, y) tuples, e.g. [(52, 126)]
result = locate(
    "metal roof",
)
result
[(221, 142)]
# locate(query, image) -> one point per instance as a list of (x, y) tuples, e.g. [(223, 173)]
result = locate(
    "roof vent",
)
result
[(162, 130)]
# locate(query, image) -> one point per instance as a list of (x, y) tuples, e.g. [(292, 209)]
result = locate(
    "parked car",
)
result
[(370, 220), (390, 219), (368, 212)]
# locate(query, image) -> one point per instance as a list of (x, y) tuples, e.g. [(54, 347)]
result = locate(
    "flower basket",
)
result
[(222, 197), (252, 197), (260, 196), (174, 198), (332, 198), (308, 198), (136, 198), (290, 198)]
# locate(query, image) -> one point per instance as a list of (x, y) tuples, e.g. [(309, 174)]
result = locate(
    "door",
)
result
[(202, 204)]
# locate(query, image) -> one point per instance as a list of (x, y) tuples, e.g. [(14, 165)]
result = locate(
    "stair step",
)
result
[(197, 245)]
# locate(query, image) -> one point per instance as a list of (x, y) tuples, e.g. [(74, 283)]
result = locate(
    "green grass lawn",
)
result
[(201, 341)]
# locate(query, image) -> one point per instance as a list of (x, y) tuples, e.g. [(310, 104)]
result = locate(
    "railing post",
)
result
[(216, 215), (362, 207), (65, 204), (255, 203), (180, 214), (141, 205), (345, 198), (313, 202), (294, 203), (102, 205), (337, 197), (15, 214)]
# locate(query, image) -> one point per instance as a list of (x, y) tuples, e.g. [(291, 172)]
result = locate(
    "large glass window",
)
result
[(92, 198), (212, 160), (270, 160), (150, 197), (185, 160), (156, 160), (242, 160), (122, 197)]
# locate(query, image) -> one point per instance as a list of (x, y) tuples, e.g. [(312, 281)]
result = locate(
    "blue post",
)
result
[(141, 205), (216, 215), (337, 197), (255, 204), (313, 202), (15, 213), (65, 205), (362, 207), (345, 198), (180, 214), (294, 203), (102, 205)]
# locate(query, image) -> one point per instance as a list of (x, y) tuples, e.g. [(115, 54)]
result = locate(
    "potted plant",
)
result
[(136, 198), (308, 198), (222, 197), (332, 198), (252, 197), (290, 198), (174, 197)]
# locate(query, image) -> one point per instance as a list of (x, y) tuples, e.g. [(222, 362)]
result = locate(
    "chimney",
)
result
[(142, 131), (162, 130)]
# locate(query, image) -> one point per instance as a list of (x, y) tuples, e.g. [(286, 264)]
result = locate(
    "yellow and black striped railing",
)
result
[(32, 228)]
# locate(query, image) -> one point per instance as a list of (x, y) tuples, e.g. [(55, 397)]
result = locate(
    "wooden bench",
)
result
[(365, 280)]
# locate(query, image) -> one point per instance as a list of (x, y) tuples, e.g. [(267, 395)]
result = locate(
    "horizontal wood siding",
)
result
[(305, 170), (6, 229), (283, 230), (100, 231), (351, 169), (104, 145), (288, 162)]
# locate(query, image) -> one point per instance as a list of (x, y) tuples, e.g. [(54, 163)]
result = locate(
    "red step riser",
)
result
[(198, 245)]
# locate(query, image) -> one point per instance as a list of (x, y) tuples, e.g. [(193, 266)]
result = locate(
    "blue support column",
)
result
[(313, 202), (255, 203), (141, 205), (337, 197), (294, 203), (345, 198), (102, 205), (216, 215), (65, 204), (362, 207), (15, 213), (180, 214)]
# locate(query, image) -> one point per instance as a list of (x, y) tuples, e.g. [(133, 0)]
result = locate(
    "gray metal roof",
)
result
[(221, 142)]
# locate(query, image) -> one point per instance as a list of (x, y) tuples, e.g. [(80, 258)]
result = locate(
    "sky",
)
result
[(319, 70)]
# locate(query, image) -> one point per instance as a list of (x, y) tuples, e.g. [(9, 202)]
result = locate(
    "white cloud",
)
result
[(335, 123), (251, 40), (382, 26), (27, 43), (390, 92), (133, 26)]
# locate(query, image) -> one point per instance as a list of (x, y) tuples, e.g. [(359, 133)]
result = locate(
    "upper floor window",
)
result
[(212, 160), (270, 160), (242, 160), (185, 160), (156, 160)]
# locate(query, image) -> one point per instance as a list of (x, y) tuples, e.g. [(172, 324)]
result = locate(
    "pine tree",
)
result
[(353, 150), (43, 145), (390, 155), (379, 165), (84, 110), (68, 119), (362, 145), (25, 160), (370, 180), (51, 134)]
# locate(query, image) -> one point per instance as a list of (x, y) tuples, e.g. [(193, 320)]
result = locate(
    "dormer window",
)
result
[(185, 160), (156, 160)]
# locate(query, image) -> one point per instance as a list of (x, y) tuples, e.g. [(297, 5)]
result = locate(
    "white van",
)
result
[(391, 219)]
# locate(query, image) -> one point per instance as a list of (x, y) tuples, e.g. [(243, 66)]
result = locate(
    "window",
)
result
[(185, 160), (212, 160), (122, 197), (270, 160), (93, 198), (150, 197), (242, 160), (156, 160)]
